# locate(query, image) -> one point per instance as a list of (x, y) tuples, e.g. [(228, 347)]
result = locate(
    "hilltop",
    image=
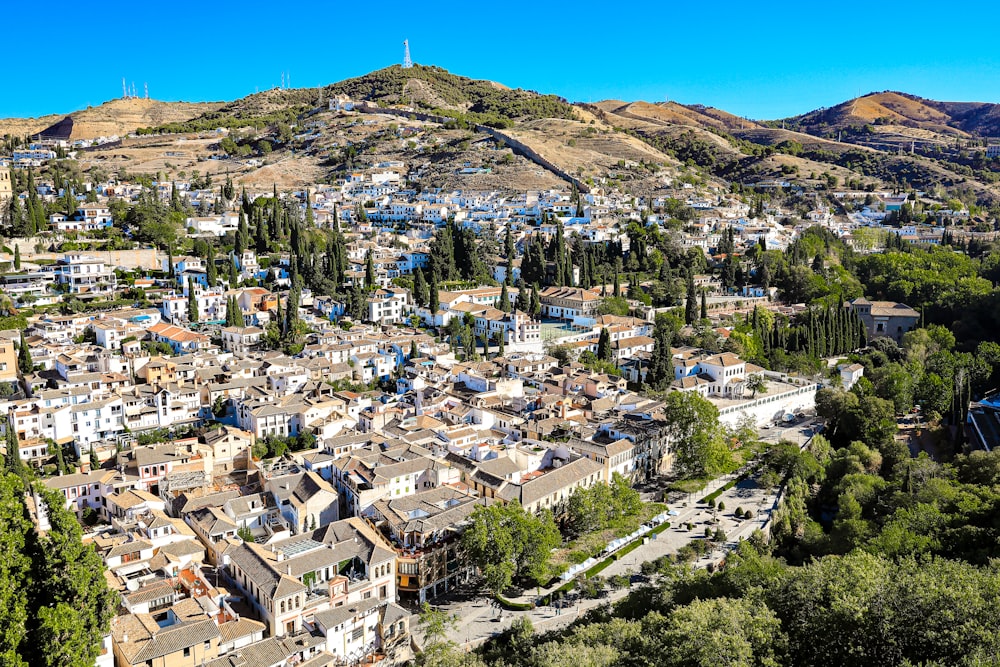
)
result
[(434, 88), (114, 117), (957, 119)]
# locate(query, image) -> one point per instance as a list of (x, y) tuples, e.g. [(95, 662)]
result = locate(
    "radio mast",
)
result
[(407, 63)]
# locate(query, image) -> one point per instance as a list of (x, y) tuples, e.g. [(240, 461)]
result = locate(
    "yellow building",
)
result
[(183, 635), (8, 360), (6, 190)]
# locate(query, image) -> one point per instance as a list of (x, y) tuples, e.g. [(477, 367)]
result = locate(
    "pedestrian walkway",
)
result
[(478, 620)]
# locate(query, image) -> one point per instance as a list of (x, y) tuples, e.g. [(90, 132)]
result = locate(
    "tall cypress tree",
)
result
[(604, 345), (242, 235), (504, 299), (536, 304), (420, 292), (24, 363), (690, 302), (433, 299), (192, 302), (211, 271), (704, 306), (17, 257), (292, 311), (660, 372), (369, 270)]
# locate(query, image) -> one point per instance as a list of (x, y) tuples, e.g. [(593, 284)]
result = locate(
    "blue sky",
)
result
[(757, 60)]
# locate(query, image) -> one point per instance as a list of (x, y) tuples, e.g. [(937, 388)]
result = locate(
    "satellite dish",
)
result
[(132, 585)]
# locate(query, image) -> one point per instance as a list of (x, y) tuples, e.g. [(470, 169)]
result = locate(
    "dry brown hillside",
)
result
[(115, 117), (678, 114), (888, 108)]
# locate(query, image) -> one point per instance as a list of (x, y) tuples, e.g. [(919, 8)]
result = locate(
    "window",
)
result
[(187, 651)]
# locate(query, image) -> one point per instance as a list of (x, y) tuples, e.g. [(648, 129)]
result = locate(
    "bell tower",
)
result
[(6, 189)]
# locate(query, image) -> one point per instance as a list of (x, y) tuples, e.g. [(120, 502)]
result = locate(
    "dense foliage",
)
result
[(479, 101), (55, 606)]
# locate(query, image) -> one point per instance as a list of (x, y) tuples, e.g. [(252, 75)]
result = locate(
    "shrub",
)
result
[(722, 507), (738, 513)]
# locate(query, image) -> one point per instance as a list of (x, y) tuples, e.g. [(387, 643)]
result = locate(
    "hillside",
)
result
[(886, 139), (957, 119), (434, 88), (671, 112), (114, 117)]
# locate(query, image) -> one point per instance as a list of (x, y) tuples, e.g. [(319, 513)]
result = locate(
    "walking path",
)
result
[(478, 620)]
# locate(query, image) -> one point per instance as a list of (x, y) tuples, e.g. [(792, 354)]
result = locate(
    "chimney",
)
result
[(288, 570)]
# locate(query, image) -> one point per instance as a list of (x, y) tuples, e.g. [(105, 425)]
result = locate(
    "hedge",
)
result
[(513, 606)]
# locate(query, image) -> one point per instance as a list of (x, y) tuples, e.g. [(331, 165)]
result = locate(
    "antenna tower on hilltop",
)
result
[(407, 63), (145, 87), (124, 90)]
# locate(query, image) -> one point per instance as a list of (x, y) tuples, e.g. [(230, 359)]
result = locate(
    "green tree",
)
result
[(695, 433), (24, 362), (433, 298), (74, 603), (369, 271), (604, 345), (690, 302), (722, 632), (613, 305), (16, 565), (211, 272), (17, 257), (755, 382), (504, 299), (504, 541), (291, 323), (192, 302), (660, 371), (420, 291)]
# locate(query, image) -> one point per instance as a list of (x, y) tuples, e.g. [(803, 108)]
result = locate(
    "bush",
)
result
[(648, 567), (512, 606), (708, 531), (748, 514), (722, 507), (592, 587), (738, 513)]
